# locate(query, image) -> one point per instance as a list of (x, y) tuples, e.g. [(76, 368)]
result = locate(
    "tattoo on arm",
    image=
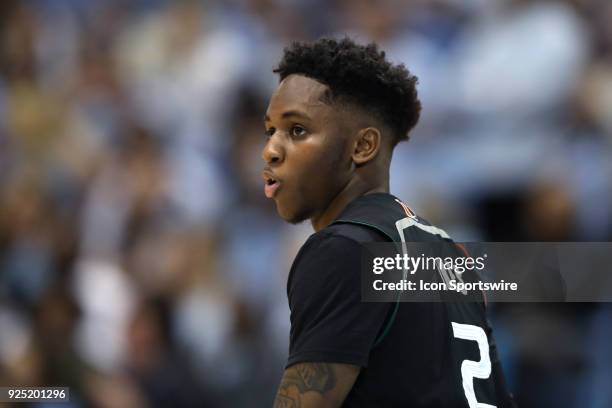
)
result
[(303, 377)]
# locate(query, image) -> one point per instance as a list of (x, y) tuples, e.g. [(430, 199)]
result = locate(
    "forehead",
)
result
[(298, 92)]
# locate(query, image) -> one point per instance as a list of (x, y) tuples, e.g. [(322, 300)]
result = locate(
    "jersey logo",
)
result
[(407, 210)]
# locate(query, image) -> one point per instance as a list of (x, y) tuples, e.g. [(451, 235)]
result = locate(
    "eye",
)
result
[(270, 132), (297, 131)]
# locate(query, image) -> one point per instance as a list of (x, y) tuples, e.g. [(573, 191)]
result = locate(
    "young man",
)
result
[(331, 127)]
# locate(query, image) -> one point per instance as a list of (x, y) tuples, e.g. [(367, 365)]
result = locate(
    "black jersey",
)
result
[(434, 354)]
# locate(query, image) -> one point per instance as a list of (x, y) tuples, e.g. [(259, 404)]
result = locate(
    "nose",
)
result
[(273, 152)]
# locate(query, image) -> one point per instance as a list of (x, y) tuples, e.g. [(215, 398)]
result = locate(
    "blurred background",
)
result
[(140, 263)]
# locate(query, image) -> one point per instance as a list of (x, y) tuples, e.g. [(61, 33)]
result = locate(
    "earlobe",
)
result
[(367, 145)]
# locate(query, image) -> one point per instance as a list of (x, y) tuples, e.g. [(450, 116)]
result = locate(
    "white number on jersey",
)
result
[(470, 369)]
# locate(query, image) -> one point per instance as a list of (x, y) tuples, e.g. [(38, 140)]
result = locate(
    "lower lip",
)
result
[(270, 189)]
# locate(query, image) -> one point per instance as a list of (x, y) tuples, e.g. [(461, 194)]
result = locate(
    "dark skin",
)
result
[(323, 155)]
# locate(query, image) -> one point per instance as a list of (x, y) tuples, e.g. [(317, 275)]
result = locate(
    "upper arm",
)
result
[(329, 322), (321, 385)]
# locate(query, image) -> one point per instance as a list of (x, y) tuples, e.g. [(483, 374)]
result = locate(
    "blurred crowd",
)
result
[(140, 263)]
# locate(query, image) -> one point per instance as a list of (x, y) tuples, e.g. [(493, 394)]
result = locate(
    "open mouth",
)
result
[(271, 185)]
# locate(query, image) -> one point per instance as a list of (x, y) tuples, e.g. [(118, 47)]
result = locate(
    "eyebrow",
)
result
[(289, 114)]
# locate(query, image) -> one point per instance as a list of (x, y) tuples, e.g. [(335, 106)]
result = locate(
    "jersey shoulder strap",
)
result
[(390, 216)]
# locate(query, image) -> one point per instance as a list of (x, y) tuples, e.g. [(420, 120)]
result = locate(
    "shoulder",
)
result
[(353, 232), (335, 252), (339, 238), (331, 241), (391, 217)]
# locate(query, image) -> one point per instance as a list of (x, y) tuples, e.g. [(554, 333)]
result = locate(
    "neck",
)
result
[(353, 189)]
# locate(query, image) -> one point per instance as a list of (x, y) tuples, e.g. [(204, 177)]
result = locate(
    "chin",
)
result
[(292, 216)]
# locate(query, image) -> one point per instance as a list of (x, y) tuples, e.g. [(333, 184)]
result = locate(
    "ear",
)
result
[(366, 145)]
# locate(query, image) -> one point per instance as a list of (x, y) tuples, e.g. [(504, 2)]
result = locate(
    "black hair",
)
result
[(360, 75)]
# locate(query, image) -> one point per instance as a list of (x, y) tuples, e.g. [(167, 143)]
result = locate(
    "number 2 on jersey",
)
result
[(470, 369)]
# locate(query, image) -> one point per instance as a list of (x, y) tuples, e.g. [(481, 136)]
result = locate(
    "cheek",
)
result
[(322, 171)]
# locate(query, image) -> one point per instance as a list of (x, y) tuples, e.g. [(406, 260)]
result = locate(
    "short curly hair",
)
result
[(361, 75)]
